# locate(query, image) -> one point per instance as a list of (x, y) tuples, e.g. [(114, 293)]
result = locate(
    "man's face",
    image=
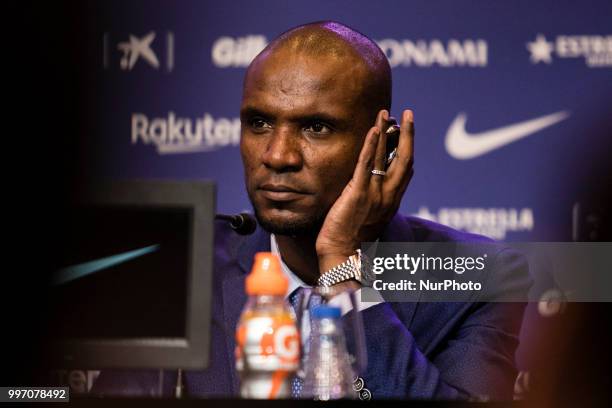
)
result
[(303, 125)]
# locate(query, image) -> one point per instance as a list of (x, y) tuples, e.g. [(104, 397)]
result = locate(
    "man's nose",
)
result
[(283, 152)]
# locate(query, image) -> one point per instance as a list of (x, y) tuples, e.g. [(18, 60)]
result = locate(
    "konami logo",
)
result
[(427, 53)]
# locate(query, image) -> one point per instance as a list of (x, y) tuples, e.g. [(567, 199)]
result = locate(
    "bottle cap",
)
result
[(326, 312), (266, 277)]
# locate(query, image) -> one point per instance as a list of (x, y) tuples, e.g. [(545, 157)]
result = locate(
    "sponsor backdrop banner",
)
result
[(511, 99)]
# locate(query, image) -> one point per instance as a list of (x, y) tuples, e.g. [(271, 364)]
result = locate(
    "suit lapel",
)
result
[(400, 230), (234, 296), (258, 242)]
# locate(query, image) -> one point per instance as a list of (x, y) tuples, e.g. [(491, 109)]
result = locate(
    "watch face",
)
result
[(366, 272)]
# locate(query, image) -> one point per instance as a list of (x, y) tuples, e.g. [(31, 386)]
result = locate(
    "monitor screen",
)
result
[(133, 286), (125, 267)]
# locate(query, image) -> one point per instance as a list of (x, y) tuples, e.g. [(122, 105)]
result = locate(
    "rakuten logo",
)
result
[(237, 52), (425, 53), (492, 222), (173, 134)]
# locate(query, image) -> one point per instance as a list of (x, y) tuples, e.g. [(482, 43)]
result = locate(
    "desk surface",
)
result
[(239, 403)]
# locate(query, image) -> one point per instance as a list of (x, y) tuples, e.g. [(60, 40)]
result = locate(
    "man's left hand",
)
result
[(369, 201)]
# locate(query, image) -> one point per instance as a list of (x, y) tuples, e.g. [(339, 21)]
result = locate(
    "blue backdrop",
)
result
[(532, 79)]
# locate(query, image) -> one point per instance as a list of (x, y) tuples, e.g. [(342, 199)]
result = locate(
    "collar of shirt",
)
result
[(294, 281)]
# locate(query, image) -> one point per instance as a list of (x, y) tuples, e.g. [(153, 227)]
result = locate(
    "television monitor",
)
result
[(134, 286)]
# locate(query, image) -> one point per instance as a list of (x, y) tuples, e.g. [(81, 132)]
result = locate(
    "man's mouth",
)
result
[(280, 192)]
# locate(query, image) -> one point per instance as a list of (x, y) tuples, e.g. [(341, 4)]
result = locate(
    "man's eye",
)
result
[(259, 123), (318, 127)]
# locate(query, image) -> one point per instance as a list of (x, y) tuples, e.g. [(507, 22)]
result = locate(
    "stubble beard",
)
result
[(305, 225)]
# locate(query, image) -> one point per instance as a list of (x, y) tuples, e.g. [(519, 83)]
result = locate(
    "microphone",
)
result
[(243, 223)]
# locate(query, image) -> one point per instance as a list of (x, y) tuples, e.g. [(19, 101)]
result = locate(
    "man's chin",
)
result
[(289, 224)]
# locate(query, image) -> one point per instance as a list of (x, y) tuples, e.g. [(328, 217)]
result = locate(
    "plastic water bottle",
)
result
[(267, 339), (328, 373)]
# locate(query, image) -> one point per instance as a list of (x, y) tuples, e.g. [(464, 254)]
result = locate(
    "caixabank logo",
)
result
[(595, 50), (130, 51)]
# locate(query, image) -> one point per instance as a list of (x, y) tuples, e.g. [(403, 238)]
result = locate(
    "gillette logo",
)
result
[(174, 135), (237, 52)]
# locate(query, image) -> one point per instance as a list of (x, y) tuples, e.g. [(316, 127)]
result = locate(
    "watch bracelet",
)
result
[(337, 274)]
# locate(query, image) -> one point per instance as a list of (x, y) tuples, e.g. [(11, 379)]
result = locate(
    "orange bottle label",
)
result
[(282, 340), (269, 338)]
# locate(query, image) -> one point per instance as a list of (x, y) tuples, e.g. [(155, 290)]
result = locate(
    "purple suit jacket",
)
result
[(415, 350)]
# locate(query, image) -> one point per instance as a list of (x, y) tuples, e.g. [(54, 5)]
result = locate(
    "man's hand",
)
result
[(369, 201)]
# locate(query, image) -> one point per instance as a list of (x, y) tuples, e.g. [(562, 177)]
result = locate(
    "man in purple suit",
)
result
[(315, 149)]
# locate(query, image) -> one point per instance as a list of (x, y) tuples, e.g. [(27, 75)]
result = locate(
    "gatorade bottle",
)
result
[(267, 339)]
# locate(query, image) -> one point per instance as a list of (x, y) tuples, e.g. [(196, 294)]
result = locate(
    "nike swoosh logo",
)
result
[(77, 271), (463, 145)]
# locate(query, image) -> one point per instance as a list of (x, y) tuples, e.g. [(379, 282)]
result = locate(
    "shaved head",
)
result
[(328, 40)]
